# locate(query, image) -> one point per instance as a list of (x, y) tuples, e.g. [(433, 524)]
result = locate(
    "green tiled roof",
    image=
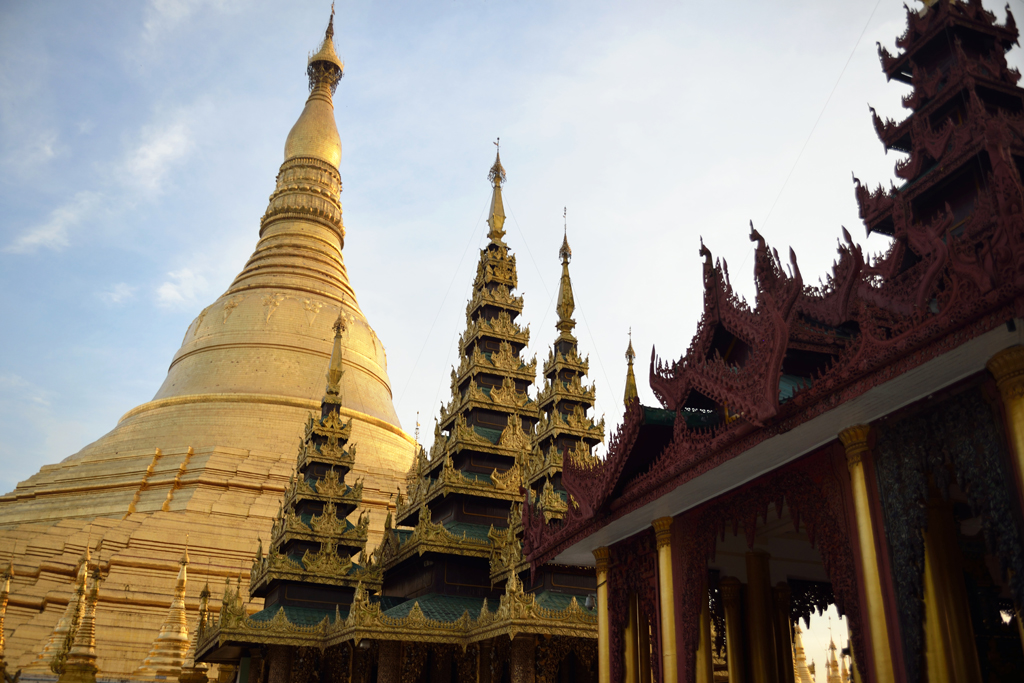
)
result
[(477, 531), (658, 416), (560, 601), (492, 435), (300, 616), (441, 607)]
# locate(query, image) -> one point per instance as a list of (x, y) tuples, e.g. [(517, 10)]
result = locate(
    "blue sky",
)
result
[(139, 142)]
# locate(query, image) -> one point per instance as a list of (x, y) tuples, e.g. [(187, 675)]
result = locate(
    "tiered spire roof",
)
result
[(565, 428), (312, 541), (473, 474)]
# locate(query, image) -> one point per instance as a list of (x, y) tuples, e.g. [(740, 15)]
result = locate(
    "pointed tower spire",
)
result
[(801, 672), (631, 393), (566, 303), (334, 371), (55, 652), (496, 216), (81, 662), (167, 655), (833, 662)]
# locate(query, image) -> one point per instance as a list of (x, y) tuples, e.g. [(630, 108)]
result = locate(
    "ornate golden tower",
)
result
[(213, 450)]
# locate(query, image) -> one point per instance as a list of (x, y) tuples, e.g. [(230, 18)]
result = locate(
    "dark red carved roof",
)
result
[(954, 270)]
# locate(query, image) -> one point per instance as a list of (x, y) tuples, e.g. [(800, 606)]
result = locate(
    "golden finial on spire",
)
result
[(631, 392), (566, 302), (565, 253), (325, 68), (496, 216)]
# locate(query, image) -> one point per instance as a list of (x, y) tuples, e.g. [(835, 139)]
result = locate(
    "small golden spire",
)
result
[(496, 216), (167, 654), (631, 393), (566, 302), (80, 666), (334, 371)]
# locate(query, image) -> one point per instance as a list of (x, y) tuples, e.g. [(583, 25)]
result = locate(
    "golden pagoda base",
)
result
[(222, 499)]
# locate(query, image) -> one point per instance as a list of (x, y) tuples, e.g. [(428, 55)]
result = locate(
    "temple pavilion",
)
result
[(858, 444)]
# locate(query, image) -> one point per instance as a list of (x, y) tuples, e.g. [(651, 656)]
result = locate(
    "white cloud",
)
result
[(182, 289), (148, 164), (53, 234), (118, 294)]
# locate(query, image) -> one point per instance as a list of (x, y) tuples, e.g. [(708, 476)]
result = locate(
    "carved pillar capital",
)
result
[(730, 587), (1007, 367), (855, 441), (601, 555), (663, 531)]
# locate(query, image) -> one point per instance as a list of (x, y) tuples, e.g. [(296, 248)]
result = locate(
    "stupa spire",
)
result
[(631, 393), (167, 655), (81, 662), (496, 215), (334, 370), (801, 672), (566, 303)]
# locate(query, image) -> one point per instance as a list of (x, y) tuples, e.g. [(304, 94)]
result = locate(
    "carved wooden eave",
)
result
[(501, 399), (517, 613), (428, 537), (504, 362), (561, 361), (499, 486), (501, 327), (499, 297)]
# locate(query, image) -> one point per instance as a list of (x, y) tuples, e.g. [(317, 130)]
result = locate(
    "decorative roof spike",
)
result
[(631, 392), (496, 216), (334, 371)]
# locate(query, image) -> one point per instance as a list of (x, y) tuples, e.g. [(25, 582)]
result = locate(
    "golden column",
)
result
[(604, 659), (947, 614), (783, 633), (730, 588), (1007, 367), (855, 441), (666, 594), (705, 668), (759, 619), (630, 662)]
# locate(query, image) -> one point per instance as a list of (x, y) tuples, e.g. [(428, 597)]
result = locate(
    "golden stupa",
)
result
[(211, 454)]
